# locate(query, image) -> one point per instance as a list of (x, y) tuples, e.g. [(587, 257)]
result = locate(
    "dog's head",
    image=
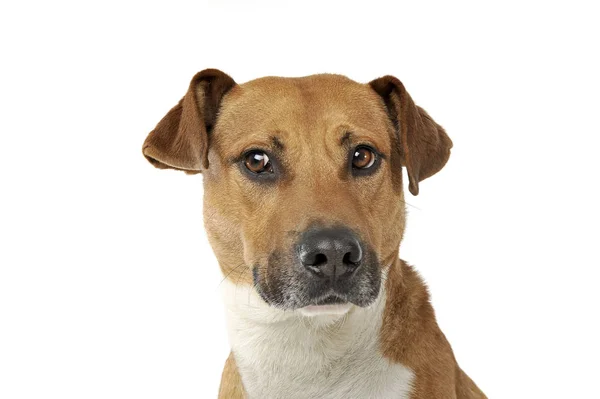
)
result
[(302, 178)]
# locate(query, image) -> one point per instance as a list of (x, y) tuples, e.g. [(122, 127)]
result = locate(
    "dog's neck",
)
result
[(286, 354)]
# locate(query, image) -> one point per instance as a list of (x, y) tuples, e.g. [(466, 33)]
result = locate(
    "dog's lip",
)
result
[(329, 305), (316, 310), (331, 299)]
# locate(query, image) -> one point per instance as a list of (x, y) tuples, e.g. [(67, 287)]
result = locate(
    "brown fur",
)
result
[(424, 153), (180, 140), (410, 335), (305, 120), (231, 382)]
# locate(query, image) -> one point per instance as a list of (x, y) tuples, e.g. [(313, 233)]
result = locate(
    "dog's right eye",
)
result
[(258, 162)]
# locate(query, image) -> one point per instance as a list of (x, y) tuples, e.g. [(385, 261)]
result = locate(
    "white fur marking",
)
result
[(285, 354)]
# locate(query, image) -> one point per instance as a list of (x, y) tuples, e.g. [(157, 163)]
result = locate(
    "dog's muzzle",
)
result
[(327, 266)]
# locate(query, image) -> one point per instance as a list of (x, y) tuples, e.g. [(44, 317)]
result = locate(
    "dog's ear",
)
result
[(180, 140), (425, 146)]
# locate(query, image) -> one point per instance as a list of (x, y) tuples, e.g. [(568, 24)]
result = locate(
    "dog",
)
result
[(304, 209)]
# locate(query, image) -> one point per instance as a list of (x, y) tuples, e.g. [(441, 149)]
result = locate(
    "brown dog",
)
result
[(304, 208)]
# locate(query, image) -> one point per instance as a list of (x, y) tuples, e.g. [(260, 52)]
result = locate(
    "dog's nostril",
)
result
[(320, 259), (351, 258), (313, 258)]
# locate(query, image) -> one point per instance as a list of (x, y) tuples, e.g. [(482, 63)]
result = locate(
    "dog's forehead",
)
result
[(312, 87), (308, 105)]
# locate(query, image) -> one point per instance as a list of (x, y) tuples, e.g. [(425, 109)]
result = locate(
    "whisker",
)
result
[(412, 206), (229, 273)]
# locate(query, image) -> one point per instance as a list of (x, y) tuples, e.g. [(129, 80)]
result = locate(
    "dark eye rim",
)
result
[(364, 171), (259, 176)]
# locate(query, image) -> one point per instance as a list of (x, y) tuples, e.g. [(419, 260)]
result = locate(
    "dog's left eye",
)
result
[(258, 162)]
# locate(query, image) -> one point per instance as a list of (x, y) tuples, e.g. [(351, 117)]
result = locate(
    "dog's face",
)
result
[(301, 172), (303, 178)]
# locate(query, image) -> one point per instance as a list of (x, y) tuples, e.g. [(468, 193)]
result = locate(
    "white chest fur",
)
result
[(287, 355)]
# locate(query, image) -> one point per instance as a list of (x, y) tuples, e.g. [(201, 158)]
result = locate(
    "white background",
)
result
[(108, 288)]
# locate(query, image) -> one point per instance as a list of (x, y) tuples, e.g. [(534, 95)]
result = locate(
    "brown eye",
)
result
[(363, 158), (258, 162)]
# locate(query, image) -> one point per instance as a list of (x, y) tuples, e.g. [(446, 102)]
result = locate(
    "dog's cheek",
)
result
[(225, 240), (387, 222), (223, 222)]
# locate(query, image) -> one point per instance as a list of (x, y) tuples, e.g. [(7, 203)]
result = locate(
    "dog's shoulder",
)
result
[(411, 336)]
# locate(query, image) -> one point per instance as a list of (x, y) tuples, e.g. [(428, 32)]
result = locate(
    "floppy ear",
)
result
[(180, 140), (425, 146)]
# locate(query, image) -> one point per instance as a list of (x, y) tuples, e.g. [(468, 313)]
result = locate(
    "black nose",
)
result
[(333, 252)]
